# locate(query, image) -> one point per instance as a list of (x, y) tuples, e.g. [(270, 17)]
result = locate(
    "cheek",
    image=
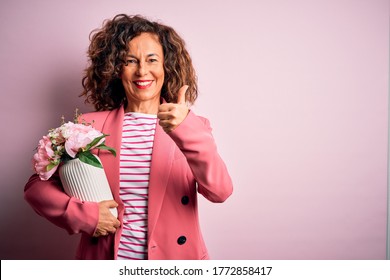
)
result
[(126, 74), (162, 76)]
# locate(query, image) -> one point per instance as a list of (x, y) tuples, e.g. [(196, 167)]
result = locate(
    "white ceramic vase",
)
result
[(86, 182)]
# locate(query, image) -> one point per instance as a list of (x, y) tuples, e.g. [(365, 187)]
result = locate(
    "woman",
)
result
[(140, 80)]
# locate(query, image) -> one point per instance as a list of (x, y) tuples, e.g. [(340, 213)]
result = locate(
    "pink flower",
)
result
[(78, 136), (43, 158), (70, 140)]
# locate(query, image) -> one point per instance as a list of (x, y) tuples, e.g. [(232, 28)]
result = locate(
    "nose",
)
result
[(142, 69)]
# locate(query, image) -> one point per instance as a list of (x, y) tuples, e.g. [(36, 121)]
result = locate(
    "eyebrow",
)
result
[(149, 55)]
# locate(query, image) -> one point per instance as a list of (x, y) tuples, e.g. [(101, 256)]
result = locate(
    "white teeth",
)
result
[(143, 83)]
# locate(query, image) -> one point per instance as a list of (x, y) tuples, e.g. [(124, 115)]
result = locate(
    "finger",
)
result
[(110, 203), (164, 123), (166, 107), (111, 230), (117, 224), (167, 128), (100, 233), (181, 95), (164, 115)]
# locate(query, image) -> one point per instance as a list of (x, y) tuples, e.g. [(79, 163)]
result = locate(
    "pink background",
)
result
[(297, 93)]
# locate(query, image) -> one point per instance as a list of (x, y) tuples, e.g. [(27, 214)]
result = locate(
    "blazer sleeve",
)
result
[(193, 137), (49, 200)]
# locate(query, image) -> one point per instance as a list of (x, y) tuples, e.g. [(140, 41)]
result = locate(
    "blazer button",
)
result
[(185, 200), (94, 240), (181, 240)]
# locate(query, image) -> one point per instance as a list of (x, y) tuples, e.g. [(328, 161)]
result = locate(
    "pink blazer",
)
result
[(184, 162)]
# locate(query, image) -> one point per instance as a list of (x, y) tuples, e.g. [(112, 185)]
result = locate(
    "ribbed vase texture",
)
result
[(86, 182)]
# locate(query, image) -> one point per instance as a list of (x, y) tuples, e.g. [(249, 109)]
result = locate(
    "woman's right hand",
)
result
[(107, 222)]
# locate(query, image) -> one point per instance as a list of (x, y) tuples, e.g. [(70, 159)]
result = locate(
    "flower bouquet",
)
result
[(69, 148)]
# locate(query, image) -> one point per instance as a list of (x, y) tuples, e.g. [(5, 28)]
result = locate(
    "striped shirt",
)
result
[(135, 159)]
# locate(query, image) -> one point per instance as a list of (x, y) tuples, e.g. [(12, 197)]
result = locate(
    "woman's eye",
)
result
[(131, 61), (153, 60)]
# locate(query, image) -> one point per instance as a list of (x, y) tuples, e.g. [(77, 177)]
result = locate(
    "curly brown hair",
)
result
[(107, 55)]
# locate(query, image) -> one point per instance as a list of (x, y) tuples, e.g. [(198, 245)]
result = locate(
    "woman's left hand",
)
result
[(171, 115)]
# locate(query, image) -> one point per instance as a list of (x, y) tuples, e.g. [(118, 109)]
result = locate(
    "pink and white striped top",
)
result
[(135, 159)]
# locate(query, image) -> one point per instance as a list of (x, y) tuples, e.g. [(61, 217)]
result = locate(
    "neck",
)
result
[(146, 107)]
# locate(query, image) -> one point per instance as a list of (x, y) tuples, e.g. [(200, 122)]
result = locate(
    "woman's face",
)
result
[(143, 76)]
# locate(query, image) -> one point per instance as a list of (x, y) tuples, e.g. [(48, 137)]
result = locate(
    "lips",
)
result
[(143, 84)]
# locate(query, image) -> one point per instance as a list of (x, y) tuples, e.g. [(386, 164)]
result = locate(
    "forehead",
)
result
[(145, 43)]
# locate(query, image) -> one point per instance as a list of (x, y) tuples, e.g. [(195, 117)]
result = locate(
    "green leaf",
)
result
[(104, 147), (94, 142), (88, 158), (50, 166)]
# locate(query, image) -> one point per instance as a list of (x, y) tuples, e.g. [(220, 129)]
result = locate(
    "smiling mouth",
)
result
[(143, 84)]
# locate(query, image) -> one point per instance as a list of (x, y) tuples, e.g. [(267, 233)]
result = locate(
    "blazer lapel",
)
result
[(113, 127), (162, 158)]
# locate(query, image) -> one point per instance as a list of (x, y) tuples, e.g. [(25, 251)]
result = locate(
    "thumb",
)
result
[(181, 96)]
